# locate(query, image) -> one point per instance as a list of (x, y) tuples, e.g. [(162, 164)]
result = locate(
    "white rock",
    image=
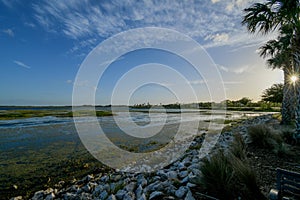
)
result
[(155, 194)]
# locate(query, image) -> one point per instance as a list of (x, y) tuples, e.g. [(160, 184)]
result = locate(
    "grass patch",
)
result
[(264, 137), (229, 176), (22, 114)]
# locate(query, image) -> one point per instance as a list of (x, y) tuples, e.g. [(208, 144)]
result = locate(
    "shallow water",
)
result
[(34, 150)]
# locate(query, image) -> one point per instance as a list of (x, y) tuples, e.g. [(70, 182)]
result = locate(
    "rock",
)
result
[(157, 185), (155, 194), (181, 166), (141, 180), (112, 197), (181, 192), (98, 189), (162, 174), (129, 196), (50, 196), (189, 196), (139, 191), (191, 185), (142, 197), (172, 175), (104, 178), (39, 195), (103, 195), (120, 194), (184, 180), (130, 187), (183, 174)]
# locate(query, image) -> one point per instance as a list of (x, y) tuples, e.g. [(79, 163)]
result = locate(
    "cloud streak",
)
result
[(21, 64), (9, 32), (212, 22)]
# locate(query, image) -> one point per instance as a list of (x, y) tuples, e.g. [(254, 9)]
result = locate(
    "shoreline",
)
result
[(176, 180)]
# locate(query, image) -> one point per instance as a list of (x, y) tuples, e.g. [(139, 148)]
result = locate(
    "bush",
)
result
[(230, 176), (263, 136), (218, 176)]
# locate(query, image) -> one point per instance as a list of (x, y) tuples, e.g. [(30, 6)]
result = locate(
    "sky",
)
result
[(44, 44)]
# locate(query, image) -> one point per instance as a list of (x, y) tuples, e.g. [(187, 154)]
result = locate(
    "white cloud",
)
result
[(9, 32), (197, 82), (82, 20), (241, 69), (237, 70), (21, 64), (69, 81)]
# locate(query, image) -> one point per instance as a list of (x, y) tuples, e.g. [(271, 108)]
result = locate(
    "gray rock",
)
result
[(38, 195), (129, 196), (181, 192), (172, 175), (104, 178), (155, 194), (103, 195), (141, 180), (50, 196), (185, 180), (189, 196), (139, 191), (120, 194), (130, 187), (181, 166), (98, 189), (191, 185), (143, 197), (112, 197), (183, 174)]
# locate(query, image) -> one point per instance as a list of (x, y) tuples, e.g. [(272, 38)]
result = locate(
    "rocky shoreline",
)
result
[(176, 181)]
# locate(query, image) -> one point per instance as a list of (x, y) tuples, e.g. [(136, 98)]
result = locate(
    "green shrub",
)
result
[(218, 176), (249, 188), (263, 136)]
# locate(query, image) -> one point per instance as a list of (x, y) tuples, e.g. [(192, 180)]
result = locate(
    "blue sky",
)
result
[(43, 44)]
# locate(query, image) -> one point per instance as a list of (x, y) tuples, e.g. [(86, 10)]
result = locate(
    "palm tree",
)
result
[(282, 16), (282, 58)]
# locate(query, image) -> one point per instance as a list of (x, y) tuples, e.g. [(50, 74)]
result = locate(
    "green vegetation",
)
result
[(281, 17), (229, 176), (21, 114), (243, 104), (273, 94), (264, 137)]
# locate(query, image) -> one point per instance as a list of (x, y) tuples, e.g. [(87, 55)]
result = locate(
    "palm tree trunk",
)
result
[(288, 102)]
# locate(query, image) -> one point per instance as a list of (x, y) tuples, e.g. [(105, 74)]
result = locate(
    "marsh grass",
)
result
[(22, 114)]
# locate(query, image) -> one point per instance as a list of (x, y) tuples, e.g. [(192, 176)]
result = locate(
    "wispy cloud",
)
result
[(237, 70), (9, 32), (197, 82), (214, 22), (21, 64)]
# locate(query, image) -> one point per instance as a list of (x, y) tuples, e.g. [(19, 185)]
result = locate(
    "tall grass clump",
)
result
[(263, 136), (229, 176), (218, 176)]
